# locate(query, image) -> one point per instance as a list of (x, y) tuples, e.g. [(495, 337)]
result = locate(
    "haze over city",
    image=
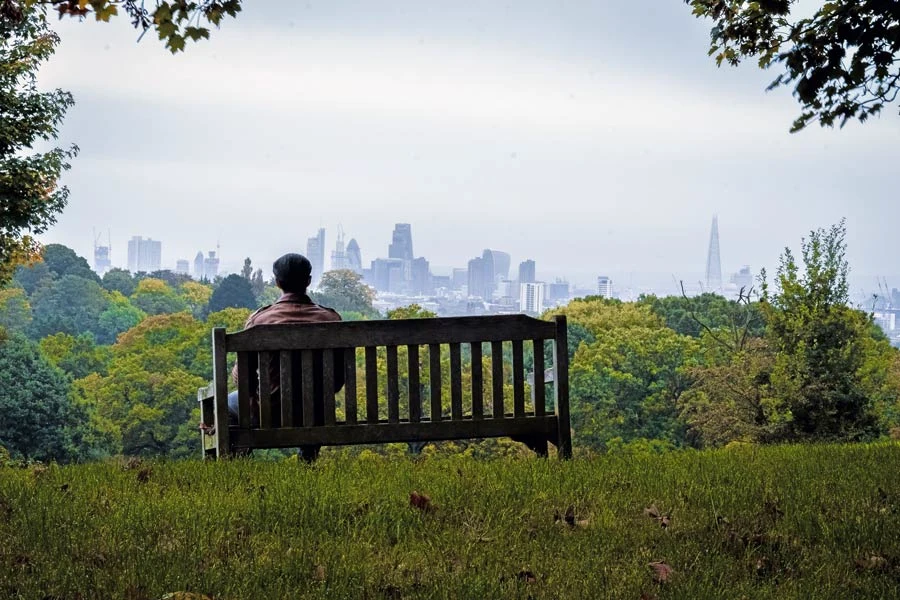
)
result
[(593, 137)]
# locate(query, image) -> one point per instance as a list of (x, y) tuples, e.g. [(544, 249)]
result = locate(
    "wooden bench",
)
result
[(415, 408)]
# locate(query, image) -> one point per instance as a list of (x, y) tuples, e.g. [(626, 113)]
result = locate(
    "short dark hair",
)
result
[(292, 272)]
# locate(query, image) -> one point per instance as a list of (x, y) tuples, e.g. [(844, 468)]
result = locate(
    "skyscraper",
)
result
[(354, 257), (526, 271), (713, 260), (476, 277), (182, 266), (315, 252), (604, 286), (101, 259), (531, 297), (210, 266), (144, 255), (339, 254), (420, 276), (401, 244)]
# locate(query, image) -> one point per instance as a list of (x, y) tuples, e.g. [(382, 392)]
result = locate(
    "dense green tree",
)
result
[(119, 280), (77, 356), (32, 276), (343, 290), (232, 292), (39, 421), (196, 295), (625, 386), (413, 311), (15, 311), (62, 260), (841, 57), (692, 316), (69, 305), (175, 280), (30, 197), (820, 342), (156, 297), (119, 316)]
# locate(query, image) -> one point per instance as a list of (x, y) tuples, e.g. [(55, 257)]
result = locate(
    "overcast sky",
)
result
[(594, 137)]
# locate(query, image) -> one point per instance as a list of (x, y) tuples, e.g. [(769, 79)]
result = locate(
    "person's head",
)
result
[(293, 273)]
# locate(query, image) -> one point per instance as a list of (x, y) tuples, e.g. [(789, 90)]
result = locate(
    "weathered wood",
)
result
[(371, 385), (455, 382), (497, 379), (315, 346), (518, 379), (395, 432), (393, 385), (287, 389), (220, 379), (349, 334), (415, 393), (434, 360), (243, 365), (307, 395), (538, 387), (350, 385), (477, 382), (265, 391), (328, 385), (561, 386)]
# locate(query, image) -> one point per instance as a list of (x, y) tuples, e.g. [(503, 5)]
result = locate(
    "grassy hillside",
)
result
[(785, 522)]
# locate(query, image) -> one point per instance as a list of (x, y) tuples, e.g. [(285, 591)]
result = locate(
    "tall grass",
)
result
[(774, 522)]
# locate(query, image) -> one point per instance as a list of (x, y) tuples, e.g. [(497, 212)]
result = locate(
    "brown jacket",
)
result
[(294, 308)]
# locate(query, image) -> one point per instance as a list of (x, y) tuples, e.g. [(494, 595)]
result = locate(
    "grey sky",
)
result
[(594, 137)]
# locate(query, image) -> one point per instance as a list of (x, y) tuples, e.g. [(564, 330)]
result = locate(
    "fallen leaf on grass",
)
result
[(654, 513), (526, 576), (661, 571), (319, 573), (420, 501), (872, 563), (570, 519)]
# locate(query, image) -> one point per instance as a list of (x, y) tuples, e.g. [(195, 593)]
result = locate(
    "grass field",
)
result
[(774, 522)]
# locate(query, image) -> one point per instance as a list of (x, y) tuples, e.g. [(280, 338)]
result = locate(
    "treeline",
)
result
[(93, 367)]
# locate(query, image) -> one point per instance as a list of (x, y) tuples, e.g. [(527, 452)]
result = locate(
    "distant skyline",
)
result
[(594, 137)]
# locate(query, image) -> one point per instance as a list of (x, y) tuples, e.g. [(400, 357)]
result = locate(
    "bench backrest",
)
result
[(328, 350)]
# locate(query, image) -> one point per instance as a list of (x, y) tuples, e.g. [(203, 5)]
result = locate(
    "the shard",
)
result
[(713, 260)]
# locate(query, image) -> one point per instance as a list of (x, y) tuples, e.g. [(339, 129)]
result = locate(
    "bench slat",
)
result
[(307, 397), (434, 360), (349, 334), (221, 373), (538, 387), (455, 382), (395, 432), (243, 365), (265, 391), (350, 385), (415, 397), (518, 379), (497, 378), (393, 386), (371, 385), (287, 389), (328, 385), (477, 383)]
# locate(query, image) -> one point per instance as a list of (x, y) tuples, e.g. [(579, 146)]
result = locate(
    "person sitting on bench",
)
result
[(293, 275)]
